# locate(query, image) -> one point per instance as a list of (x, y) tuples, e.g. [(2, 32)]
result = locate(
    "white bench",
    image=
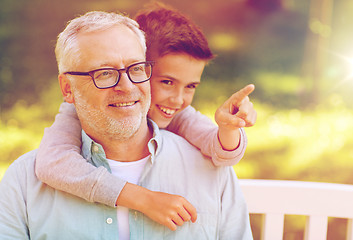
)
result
[(318, 201)]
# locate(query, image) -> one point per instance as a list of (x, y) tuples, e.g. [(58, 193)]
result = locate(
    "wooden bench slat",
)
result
[(316, 228), (272, 225)]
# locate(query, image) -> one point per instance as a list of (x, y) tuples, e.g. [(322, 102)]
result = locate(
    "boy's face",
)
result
[(173, 83)]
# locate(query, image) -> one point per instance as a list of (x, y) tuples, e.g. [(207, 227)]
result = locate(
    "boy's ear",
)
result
[(66, 89)]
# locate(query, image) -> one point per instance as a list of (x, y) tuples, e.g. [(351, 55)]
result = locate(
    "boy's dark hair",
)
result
[(169, 31)]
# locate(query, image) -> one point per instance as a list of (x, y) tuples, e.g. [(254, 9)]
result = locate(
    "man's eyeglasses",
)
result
[(109, 77)]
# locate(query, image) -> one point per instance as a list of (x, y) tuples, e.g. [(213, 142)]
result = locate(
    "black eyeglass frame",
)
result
[(126, 70)]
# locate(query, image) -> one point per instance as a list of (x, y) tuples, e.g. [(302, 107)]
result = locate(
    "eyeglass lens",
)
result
[(136, 73)]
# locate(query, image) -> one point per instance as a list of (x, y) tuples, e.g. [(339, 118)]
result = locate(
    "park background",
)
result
[(298, 53)]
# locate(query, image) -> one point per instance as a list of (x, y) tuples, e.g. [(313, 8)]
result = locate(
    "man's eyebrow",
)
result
[(134, 60), (111, 65), (127, 62)]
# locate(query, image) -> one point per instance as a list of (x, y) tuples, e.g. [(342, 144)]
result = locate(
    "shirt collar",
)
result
[(90, 147), (155, 143)]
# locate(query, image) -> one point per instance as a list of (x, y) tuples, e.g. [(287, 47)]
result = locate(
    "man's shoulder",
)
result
[(178, 141), (20, 174), (28, 157), (179, 149), (24, 163), (168, 134)]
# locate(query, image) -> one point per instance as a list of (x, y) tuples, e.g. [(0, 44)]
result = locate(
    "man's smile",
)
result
[(123, 104)]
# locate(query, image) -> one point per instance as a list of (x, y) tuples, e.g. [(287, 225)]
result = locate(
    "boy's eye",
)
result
[(192, 86), (167, 82)]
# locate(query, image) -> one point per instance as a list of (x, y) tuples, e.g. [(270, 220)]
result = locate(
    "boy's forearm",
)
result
[(229, 138), (133, 196), (201, 132)]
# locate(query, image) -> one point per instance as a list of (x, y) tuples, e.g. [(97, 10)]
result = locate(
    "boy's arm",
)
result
[(225, 147), (60, 165), (201, 132)]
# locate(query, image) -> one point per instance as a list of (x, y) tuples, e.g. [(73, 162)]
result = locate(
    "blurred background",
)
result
[(298, 53)]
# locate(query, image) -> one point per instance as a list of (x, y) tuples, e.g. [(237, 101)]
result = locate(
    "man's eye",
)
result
[(137, 69), (104, 74)]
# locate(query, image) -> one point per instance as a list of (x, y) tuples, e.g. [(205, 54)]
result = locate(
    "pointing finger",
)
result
[(235, 100), (241, 94), (244, 92)]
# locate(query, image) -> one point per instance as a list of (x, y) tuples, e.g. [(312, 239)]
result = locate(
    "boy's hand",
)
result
[(235, 113), (164, 208), (169, 210)]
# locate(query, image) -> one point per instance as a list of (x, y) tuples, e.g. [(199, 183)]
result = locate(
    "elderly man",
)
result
[(102, 70)]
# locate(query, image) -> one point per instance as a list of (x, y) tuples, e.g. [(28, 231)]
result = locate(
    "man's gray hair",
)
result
[(92, 21)]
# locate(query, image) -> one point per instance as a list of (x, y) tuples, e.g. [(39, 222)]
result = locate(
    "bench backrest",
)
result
[(318, 201)]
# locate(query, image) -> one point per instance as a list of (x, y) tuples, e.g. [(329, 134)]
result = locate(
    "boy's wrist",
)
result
[(229, 139), (133, 196)]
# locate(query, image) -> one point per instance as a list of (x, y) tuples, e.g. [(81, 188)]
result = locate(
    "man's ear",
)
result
[(66, 89)]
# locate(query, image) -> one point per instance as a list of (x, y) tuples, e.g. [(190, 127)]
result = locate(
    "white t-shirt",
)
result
[(130, 172)]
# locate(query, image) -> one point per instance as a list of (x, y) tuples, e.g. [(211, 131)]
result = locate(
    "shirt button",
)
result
[(95, 148), (109, 220)]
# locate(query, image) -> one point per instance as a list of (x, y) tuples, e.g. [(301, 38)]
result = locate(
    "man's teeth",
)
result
[(167, 110), (125, 104)]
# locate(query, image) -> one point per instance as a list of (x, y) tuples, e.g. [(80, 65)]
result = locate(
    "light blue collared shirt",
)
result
[(30, 209)]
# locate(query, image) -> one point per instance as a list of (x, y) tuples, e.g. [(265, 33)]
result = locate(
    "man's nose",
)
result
[(124, 83)]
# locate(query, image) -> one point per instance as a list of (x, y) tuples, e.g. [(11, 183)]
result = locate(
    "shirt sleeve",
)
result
[(201, 132), (13, 214), (60, 164)]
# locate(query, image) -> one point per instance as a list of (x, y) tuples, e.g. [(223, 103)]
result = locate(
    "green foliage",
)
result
[(300, 145), (21, 128), (290, 90)]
